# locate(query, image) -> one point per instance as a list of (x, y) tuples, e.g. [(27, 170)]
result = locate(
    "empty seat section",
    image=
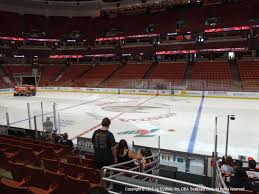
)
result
[(57, 26), (11, 23), (2, 83), (123, 78), (49, 74), (211, 76), (18, 69), (96, 75), (172, 71), (34, 23), (165, 21), (249, 75), (167, 74), (71, 73)]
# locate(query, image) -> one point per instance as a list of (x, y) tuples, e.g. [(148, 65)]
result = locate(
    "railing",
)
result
[(176, 84), (140, 179), (181, 161), (109, 180), (133, 166), (138, 165), (219, 182), (251, 85)]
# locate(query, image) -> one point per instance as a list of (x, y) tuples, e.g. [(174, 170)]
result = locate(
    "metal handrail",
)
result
[(112, 192), (139, 168), (202, 188), (134, 185), (123, 163), (220, 178)]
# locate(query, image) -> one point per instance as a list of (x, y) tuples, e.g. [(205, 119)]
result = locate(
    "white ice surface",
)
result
[(172, 118)]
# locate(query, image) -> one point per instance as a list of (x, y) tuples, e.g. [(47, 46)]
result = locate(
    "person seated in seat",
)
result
[(65, 141), (252, 166), (124, 154), (53, 138), (227, 168), (241, 180)]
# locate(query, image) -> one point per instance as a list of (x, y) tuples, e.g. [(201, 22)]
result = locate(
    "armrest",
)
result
[(24, 181), (53, 188), (39, 153)]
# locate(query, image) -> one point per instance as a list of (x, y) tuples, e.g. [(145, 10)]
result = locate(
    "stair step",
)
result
[(150, 69), (235, 75)]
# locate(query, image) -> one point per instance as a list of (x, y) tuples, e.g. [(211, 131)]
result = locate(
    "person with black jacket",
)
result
[(65, 141), (241, 180), (104, 145)]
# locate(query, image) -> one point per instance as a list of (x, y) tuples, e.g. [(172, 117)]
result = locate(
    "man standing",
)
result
[(48, 125), (104, 145)]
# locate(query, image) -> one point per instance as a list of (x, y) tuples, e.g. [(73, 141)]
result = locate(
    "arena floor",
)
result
[(183, 123)]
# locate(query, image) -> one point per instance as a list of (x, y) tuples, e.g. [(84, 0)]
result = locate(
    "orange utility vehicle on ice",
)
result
[(25, 90)]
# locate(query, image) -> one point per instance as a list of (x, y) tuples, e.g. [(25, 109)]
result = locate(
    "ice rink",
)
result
[(183, 123)]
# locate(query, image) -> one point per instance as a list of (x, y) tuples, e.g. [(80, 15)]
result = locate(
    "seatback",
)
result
[(78, 186), (69, 169), (51, 165), (12, 189)]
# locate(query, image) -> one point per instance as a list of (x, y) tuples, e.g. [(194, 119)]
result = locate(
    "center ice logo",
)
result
[(140, 132)]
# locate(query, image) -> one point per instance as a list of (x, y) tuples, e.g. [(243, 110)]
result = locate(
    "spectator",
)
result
[(98, 190), (65, 141), (251, 165), (48, 125), (124, 154), (238, 163), (227, 168), (241, 180), (104, 145), (53, 138)]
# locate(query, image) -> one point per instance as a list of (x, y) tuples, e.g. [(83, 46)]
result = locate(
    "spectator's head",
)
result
[(252, 164), (54, 137), (98, 190), (47, 119), (106, 122), (122, 146), (65, 136), (229, 161), (250, 158), (238, 163)]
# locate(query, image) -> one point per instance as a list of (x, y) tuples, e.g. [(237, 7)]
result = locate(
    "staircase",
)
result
[(188, 73), (7, 79), (235, 74), (82, 74), (61, 73), (149, 71)]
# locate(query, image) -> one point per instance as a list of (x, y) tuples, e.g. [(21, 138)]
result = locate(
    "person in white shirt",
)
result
[(227, 169)]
